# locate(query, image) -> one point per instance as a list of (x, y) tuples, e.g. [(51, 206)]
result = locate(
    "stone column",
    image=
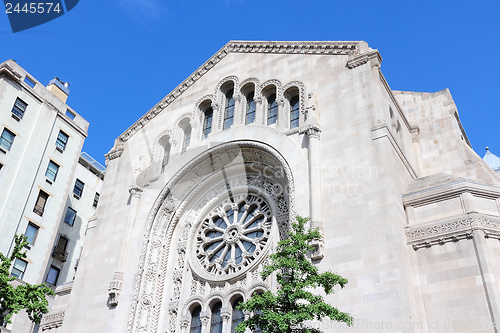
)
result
[(225, 313), (259, 111), (281, 121), (313, 133), (205, 321), (116, 284), (236, 112), (185, 321)]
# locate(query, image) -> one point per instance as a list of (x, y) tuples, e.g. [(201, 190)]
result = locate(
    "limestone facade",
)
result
[(40, 162), (202, 187)]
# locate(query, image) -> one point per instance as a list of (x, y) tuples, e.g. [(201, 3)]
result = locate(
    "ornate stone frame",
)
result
[(170, 205)]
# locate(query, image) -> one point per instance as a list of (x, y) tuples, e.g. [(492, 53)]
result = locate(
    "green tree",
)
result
[(294, 303), (31, 298)]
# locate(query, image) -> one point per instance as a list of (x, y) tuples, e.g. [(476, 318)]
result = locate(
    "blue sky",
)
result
[(122, 56)]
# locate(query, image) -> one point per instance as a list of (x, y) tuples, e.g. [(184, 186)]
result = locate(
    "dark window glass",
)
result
[(237, 316), (40, 203), (51, 172), (7, 139), (250, 108), (78, 189), (272, 110), (96, 200), (294, 112), (19, 268), (229, 109), (19, 108), (53, 275), (216, 321), (70, 216), (207, 123), (62, 140), (166, 155), (187, 138), (31, 232), (195, 321)]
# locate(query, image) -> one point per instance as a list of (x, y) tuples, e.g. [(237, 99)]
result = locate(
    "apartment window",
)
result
[(78, 189), (207, 123), (19, 108), (272, 110), (70, 216), (29, 82), (7, 139), (70, 114), (294, 112), (62, 140), (51, 172), (19, 268), (250, 115), (40, 203), (31, 233), (229, 109), (96, 199), (187, 138), (53, 275)]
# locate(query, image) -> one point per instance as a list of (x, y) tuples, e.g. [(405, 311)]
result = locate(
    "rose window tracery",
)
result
[(233, 235)]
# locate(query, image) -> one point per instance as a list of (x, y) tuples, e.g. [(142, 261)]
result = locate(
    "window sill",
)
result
[(16, 117), (77, 197), (59, 150), (48, 181), (2, 150)]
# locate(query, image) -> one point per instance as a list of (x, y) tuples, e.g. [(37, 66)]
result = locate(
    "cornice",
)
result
[(373, 57), (351, 48), (9, 71), (452, 230)]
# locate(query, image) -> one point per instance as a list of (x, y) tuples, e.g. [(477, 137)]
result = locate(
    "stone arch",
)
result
[(181, 199), (290, 89)]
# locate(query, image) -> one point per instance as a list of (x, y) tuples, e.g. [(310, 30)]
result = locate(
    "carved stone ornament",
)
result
[(451, 231), (373, 57), (312, 130), (135, 191), (260, 183), (233, 236), (115, 287), (52, 320)]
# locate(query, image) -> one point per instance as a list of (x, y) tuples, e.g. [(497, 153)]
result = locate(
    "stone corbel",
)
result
[(115, 288), (373, 57), (115, 152)]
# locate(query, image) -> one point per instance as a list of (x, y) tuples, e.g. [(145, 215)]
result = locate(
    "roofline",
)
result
[(350, 48)]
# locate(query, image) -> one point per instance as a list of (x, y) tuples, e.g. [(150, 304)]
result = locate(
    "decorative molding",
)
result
[(6, 70), (115, 287), (312, 130), (115, 152), (135, 191), (161, 223), (52, 320), (373, 57), (452, 231)]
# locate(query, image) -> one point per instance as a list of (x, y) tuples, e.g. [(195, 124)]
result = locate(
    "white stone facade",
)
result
[(197, 195), (39, 167)]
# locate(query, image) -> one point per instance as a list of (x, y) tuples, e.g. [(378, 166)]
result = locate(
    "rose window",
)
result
[(233, 235)]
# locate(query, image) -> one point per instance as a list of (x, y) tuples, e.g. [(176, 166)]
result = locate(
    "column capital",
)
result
[(185, 321), (135, 191), (225, 313), (312, 130), (205, 318)]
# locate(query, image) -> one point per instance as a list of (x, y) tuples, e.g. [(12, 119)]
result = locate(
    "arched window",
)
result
[(216, 321), (166, 154), (229, 109), (237, 316), (272, 109), (195, 320), (186, 140), (294, 111), (250, 114), (207, 122)]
